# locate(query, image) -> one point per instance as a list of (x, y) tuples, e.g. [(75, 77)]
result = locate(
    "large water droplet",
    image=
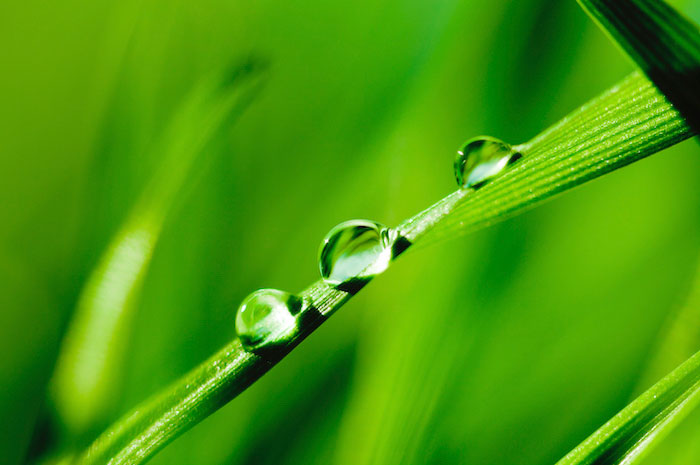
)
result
[(482, 158), (268, 318), (355, 251)]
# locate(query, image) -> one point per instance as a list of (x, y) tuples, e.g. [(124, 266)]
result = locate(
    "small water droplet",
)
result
[(355, 251), (268, 318), (482, 158)]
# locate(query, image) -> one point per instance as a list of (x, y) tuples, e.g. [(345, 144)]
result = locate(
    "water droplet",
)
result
[(482, 158), (268, 318), (355, 251)]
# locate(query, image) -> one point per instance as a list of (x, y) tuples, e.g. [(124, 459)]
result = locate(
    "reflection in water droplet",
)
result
[(482, 158), (268, 318), (355, 251)]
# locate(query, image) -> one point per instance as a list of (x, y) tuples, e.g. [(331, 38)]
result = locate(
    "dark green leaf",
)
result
[(664, 43)]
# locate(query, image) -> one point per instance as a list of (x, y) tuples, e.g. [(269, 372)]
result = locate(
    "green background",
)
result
[(509, 345)]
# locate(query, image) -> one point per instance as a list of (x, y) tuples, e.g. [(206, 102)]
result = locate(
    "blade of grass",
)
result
[(679, 338), (86, 378), (629, 435), (664, 43), (677, 342), (667, 48), (629, 122)]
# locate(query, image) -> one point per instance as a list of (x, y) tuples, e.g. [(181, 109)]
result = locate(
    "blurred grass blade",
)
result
[(665, 44), (631, 434), (86, 379), (629, 122)]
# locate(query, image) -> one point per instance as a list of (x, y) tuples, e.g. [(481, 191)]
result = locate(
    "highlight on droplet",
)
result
[(267, 318), (481, 159), (355, 251)]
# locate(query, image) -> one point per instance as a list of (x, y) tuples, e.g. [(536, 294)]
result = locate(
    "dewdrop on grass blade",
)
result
[(268, 318), (481, 159), (355, 251)]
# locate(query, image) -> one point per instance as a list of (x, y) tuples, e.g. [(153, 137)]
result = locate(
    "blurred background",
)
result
[(510, 345)]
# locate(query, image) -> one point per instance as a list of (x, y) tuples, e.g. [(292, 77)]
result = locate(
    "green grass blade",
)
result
[(86, 378), (678, 340), (676, 343), (630, 434), (156, 422), (629, 122), (665, 44)]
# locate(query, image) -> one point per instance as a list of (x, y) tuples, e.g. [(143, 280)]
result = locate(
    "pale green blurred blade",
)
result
[(87, 378)]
